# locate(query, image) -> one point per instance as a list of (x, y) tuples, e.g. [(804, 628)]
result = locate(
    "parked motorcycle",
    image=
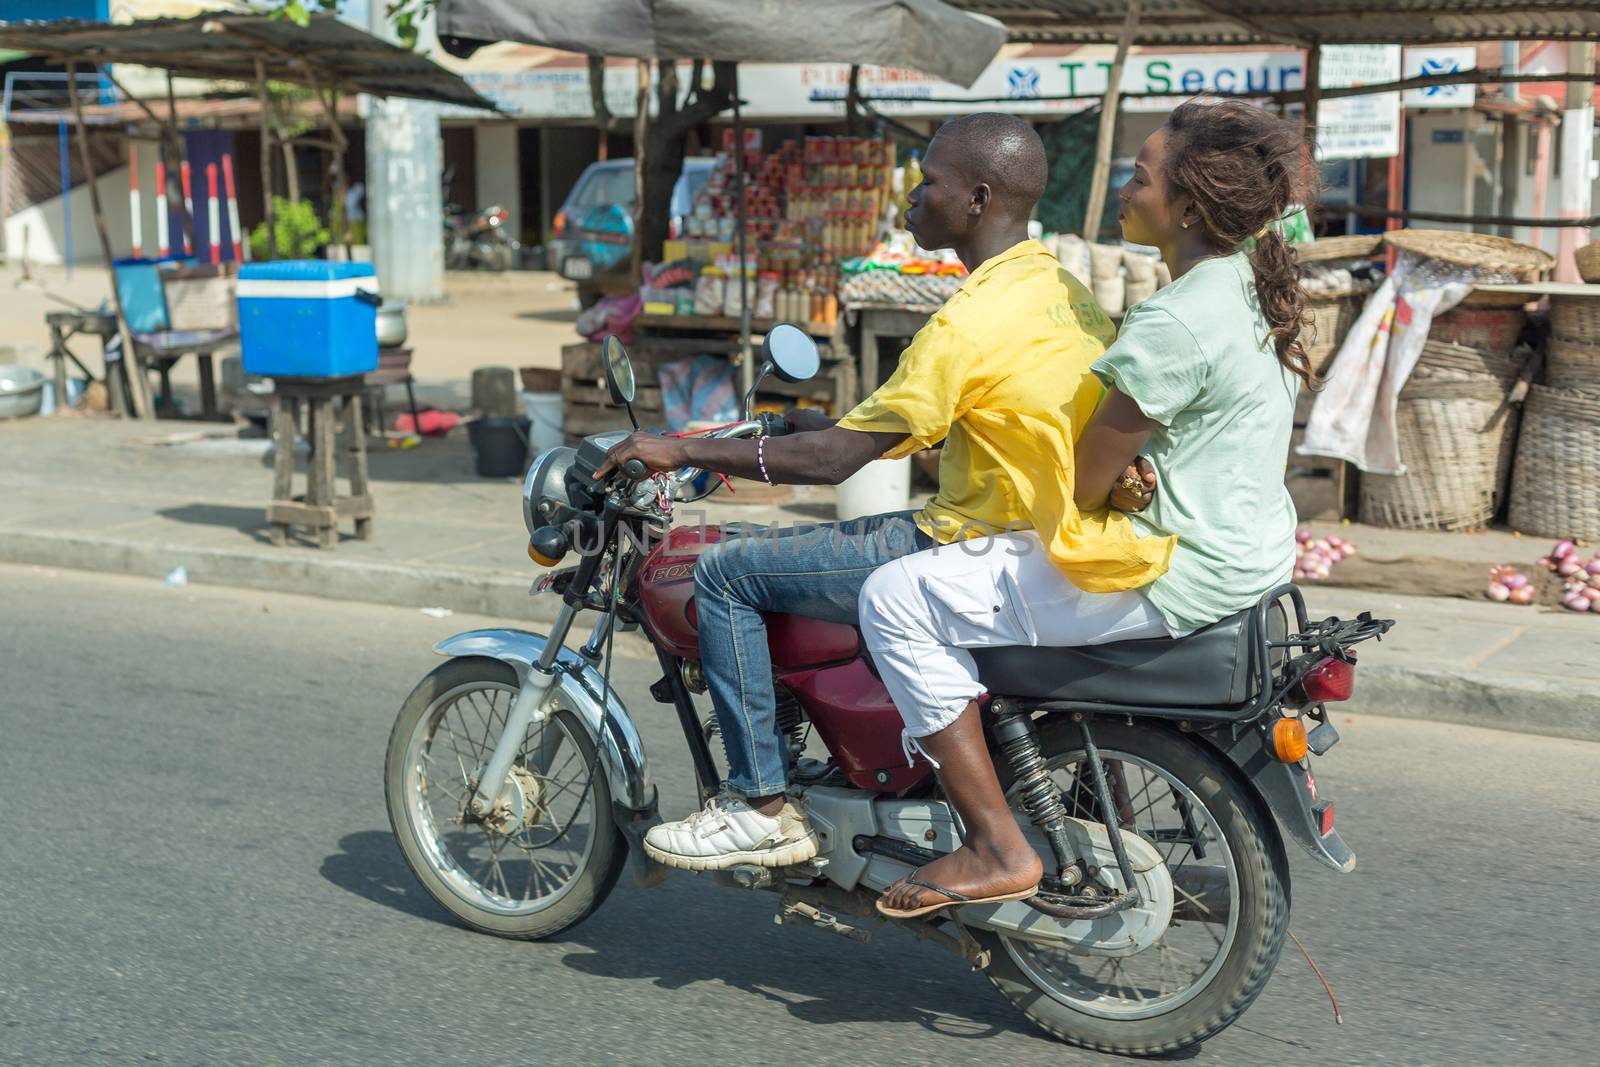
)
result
[(1158, 779), (479, 241)]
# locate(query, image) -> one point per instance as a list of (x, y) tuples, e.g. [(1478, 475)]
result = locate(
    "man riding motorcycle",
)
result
[(1001, 375)]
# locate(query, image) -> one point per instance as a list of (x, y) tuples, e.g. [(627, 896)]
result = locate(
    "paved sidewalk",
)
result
[(93, 494)]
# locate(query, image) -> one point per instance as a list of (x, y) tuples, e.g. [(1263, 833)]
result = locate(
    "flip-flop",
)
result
[(956, 899)]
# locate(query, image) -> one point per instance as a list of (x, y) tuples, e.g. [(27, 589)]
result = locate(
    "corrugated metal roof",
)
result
[(1233, 22), (226, 47)]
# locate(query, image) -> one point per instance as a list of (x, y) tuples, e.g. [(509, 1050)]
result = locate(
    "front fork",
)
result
[(531, 706)]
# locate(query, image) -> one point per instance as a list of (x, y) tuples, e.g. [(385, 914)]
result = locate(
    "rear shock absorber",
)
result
[(1018, 739)]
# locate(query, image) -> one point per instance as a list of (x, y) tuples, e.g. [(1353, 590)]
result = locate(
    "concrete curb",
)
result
[(1518, 703), (308, 574)]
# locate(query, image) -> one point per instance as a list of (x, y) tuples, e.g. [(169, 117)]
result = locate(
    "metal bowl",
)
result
[(391, 324), (21, 391)]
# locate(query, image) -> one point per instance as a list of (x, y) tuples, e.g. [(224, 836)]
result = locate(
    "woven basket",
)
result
[(1573, 366), (1441, 358), (1328, 249), (1575, 318), (1491, 329), (1487, 298), (1456, 438), (1331, 317), (1480, 250), (1550, 496), (1588, 260)]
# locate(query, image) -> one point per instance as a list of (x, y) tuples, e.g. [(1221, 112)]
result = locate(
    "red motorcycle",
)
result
[(518, 787)]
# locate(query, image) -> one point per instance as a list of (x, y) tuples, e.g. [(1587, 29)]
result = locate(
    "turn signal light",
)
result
[(1332, 679), (1289, 740)]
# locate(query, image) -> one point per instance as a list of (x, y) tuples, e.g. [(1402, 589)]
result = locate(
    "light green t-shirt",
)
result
[(1197, 359)]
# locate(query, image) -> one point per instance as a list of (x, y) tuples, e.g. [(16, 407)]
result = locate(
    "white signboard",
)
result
[(817, 90), (1359, 127), (1421, 61)]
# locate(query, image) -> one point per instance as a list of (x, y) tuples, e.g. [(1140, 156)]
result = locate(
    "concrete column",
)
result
[(499, 170), (1577, 154), (405, 214)]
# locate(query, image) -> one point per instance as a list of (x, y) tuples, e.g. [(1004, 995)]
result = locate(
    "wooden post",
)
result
[(1108, 127), (747, 370), (1311, 97), (175, 189), (140, 386), (266, 158), (641, 137)]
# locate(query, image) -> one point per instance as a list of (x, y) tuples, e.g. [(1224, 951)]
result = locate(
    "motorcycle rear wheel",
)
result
[(569, 849), (1199, 799)]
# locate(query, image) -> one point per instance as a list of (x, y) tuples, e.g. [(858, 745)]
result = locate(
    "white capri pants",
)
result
[(920, 614)]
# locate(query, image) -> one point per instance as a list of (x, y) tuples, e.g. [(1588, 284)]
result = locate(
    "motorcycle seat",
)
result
[(1212, 667)]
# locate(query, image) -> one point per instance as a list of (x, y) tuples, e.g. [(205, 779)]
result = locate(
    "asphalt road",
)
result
[(196, 868)]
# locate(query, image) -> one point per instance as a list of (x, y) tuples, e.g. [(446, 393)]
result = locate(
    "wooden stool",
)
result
[(332, 406)]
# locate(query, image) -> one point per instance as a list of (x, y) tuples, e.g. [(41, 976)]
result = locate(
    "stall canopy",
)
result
[(930, 36), (1236, 22), (326, 53)]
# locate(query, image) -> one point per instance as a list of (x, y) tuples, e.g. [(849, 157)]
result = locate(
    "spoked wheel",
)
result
[(549, 856), (1230, 884)]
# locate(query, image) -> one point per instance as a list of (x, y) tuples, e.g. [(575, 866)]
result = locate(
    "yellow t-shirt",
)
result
[(1001, 375)]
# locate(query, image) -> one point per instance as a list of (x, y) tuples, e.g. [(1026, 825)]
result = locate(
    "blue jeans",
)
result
[(816, 571)]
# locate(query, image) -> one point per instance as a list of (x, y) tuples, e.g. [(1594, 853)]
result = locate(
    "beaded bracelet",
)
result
[(761, 461)]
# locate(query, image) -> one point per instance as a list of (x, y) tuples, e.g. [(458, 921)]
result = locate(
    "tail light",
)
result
[(1332, 679), (559, 225)]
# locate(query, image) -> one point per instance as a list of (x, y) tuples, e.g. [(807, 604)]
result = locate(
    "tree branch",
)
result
[(604, 120)]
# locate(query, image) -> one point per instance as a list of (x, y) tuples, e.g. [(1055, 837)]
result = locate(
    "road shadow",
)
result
[(249, 521), (369, 865)]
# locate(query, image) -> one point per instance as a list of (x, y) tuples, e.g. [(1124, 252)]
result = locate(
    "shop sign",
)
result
[(1359, 127), (1421, 61)]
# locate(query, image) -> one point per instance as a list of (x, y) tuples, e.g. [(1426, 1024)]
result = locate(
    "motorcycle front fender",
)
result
[(610, 727)]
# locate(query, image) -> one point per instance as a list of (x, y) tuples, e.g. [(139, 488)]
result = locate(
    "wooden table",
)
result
[(64, 326), (884, 320), (332, 406)]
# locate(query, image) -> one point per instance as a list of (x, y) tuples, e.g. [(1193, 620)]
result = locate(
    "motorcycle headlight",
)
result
[(547, 480)]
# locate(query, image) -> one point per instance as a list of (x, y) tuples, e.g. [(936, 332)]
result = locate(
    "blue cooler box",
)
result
[(308, 318)]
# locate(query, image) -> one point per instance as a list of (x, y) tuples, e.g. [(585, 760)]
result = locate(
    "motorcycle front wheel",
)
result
[(529, 878), (1230, 884)]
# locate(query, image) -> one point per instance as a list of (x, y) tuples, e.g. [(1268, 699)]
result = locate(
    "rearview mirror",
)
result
[(792, 353), (619, 371)]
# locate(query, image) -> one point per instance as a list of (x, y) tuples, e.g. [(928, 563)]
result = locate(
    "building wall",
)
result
[(498, 171), (38, 232)]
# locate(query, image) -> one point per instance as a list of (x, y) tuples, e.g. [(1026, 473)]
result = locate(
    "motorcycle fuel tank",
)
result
[(666, 595)]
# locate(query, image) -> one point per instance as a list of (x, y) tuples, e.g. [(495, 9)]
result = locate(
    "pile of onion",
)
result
[(1506, 583), (1582, 576), (1314, 557)]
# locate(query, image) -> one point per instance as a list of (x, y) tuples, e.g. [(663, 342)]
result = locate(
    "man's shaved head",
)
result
[(1001, 151)]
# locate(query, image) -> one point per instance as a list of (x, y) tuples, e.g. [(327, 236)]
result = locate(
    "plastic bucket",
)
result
[(882, 486), (544, 420), (499, 446)]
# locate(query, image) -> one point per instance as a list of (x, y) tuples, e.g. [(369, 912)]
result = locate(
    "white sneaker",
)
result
[(728, 832)]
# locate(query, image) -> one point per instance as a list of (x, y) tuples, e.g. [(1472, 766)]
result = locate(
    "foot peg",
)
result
[(796, 912)]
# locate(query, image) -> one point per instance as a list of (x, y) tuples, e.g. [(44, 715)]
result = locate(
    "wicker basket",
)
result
[(1575, 318), (1491, 329), (1442, 359), (1572, 366), (1456, 438), (1588, 260), (1331, 317), (1488, 298), (1560, 438), (1480, 250), (1328, 249)]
